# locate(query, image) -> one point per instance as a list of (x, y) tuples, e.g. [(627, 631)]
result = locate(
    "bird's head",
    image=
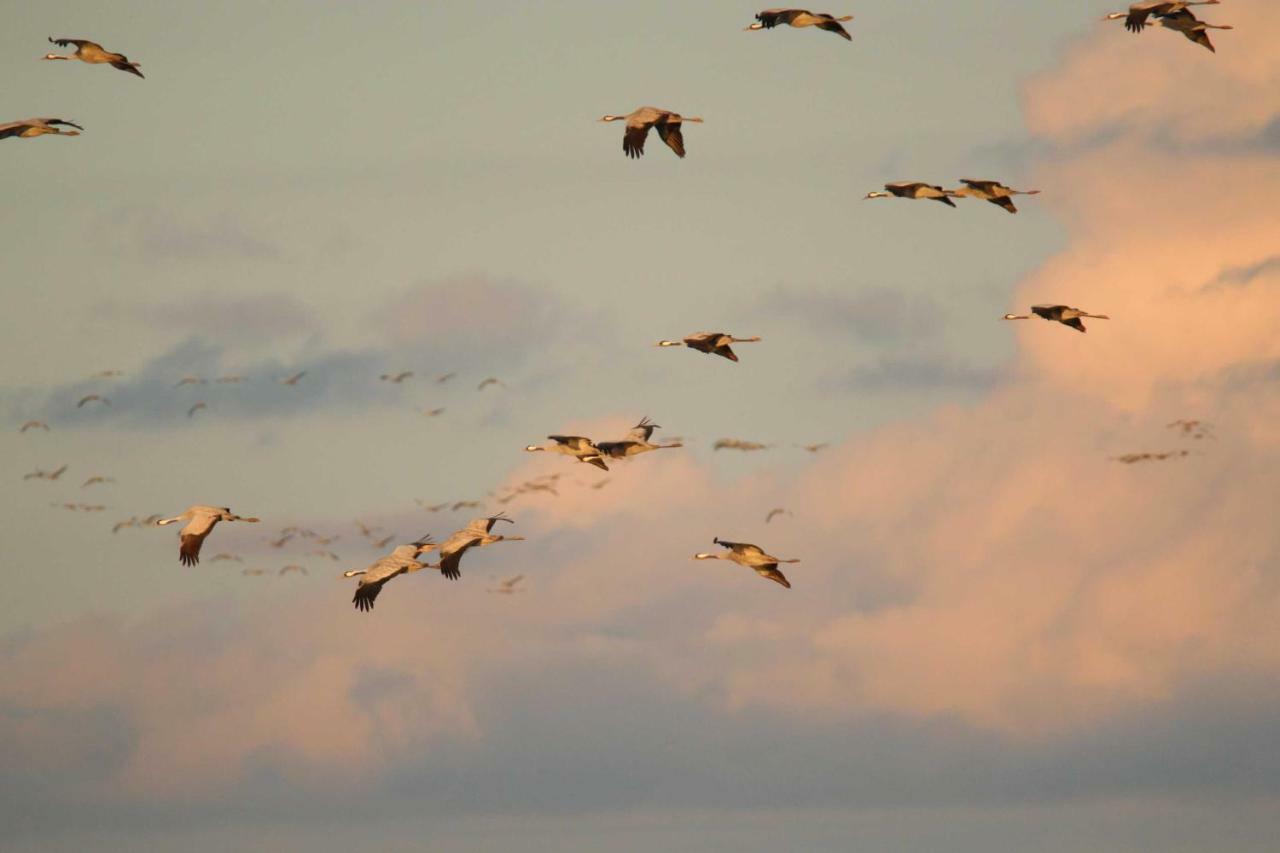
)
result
[(612, 118), (1115, 16), (352, 573), (50, 56), (704, 556), (668, 343), (875, 194), (1010, 317), (533, 448)]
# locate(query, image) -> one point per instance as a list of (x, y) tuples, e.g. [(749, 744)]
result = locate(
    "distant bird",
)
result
[(190, 380), (508, 586), (107, 374), (366, 530), (90, 398), (1059, 313), (95, 480), (229, 380), (753, 558), (94, 54), (713, 343), (254, 572), (121, 525), (1193, 28), (197, 407), (814, 448), (34, 425), (1192, 428), (200, 523), (444, 377), (218, 558), (293, 567), (293, 380), (431, 507), (1130, 458), (396, 378), (490, 381), (770, 18), (1136, 18), (992, 191), (431, 413), (280, 542), (28, 128), (384, 541), (320, 552), (91, 507), (457, 505), (774, 513), (914, 189), (582, 449), (403, 559), (600, 484), (738, 444), (45, 475), (636, 442), (149, 520), (477, 534), (640, 120)]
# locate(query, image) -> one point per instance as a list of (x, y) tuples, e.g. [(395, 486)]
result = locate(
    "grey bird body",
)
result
[(402, 560), (991, 191), (1063, 314), (751, 556), (914, 190), (638, 122), (770, 18), (200, 521), (30, 127), (712, 343), (476, 533), (94, 54), (581, 448)]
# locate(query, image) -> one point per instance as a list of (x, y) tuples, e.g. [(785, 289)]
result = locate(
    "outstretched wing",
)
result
[(366, 594), (831, 25), (633, 139), (670, 134), (189, 550), (770, 18), (1074, 323), (740, 547), (573, 442), (1005, 202), (79, 43), (771, 572), (123, 64)]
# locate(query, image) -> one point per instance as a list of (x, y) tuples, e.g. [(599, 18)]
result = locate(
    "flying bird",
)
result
[(1192, 27), (814, 448), (94, 54), (712, 343), (457, 505), (200, 523), (738, 444), (640, 120), (490, 381), (229, 380), (384, 541), (396, 378), (431, 507), (90, 398), (752, 557), (1192, 428), (190, 380), (770, 18), (582, 449), (218, 558), (281, 542), (775, 512), (34, 425), (1136, 18), (402, 560), (31, 127), (431, 413), (121, 525), (475, 534), (1059, 313), (321, 552), (95, 480), (1130, 458), (293, 380), (636, 442), (992, 191), (45, 475), (293, 567), (107, 374), (254, 572), (508, 586), (197, 407), (914, 189), (444, 377)]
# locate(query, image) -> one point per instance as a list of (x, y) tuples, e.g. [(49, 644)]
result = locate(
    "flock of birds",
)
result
[(200, 520)]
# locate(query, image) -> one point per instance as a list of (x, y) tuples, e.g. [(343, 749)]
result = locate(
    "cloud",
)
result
[(912, 373)]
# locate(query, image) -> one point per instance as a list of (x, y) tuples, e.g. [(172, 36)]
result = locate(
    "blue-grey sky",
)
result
[(360, 189)]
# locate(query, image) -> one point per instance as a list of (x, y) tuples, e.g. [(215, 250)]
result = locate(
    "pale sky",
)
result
[(356, 189)]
